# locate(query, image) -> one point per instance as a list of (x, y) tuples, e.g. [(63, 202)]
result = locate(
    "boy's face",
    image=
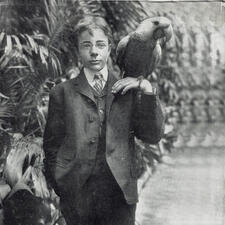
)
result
[(94, 49)]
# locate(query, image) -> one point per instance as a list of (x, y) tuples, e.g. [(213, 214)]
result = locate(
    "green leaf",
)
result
[(4, 62), (17, 67), (19, 45), (2, 35), (3, 96), (6, 108), (42, 55), (32, 43), (8, 47), (47, 25)]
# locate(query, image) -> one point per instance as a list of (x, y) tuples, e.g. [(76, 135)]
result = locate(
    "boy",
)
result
[(89, 135)]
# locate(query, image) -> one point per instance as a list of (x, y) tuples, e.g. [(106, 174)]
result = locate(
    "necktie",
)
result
[(98, 83)]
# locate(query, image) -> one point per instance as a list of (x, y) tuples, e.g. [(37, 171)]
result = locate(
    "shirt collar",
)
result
[(90, 75)]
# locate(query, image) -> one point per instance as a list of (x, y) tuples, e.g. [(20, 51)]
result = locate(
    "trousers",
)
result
[(99, 202)]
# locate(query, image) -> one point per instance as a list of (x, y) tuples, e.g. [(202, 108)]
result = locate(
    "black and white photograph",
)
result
[(112, 112)]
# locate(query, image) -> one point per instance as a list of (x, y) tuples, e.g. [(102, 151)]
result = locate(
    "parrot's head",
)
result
[(156, 28)]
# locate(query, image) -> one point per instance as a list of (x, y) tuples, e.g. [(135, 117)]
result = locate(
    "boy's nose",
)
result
[(94, 54), (93, 51)]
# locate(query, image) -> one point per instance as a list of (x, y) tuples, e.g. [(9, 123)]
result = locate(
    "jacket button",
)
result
[(91, 119), (101, 111), (93, 140)]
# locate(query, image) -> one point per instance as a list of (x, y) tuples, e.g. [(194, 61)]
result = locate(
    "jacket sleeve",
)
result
[(54, 130), (148, 118)]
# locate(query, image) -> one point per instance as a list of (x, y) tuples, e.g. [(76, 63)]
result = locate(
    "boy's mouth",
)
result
[(94, 61)]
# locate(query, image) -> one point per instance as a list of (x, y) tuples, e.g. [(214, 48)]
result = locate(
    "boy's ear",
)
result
[(110, 47)]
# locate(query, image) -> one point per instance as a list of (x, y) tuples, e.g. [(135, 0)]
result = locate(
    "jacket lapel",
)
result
[(83, 87)]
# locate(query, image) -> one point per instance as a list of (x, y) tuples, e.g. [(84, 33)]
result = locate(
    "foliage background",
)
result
[(37, 52)]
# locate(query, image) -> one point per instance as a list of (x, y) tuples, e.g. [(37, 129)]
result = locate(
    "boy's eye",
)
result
[(86, 45), (89, 45), (101, 45)]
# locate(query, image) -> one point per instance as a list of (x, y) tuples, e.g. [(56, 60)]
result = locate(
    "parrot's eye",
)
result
[(156, 23)]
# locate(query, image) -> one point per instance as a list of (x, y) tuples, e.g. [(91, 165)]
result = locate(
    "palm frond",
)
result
[(123, 15), (6, 107)]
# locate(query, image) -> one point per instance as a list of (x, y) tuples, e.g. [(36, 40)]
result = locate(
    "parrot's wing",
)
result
[(120, 50), (157, 53)]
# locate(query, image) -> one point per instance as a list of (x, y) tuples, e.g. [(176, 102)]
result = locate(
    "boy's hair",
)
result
[(89, 23)]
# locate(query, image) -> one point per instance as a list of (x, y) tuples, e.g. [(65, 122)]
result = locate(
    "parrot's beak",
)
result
[(165, 25), (164, 30), (168, 32)]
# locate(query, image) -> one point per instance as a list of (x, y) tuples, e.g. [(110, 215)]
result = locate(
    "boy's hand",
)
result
[(128, 83)]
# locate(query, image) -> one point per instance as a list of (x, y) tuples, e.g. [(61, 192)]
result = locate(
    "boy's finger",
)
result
[(127, 88), (124, 80), (119, 82), (120, 85), (117, 89)]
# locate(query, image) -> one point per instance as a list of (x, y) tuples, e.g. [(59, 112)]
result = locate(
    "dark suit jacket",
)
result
[(71, 134)]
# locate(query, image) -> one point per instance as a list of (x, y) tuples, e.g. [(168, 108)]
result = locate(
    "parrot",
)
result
[(138, 53)]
